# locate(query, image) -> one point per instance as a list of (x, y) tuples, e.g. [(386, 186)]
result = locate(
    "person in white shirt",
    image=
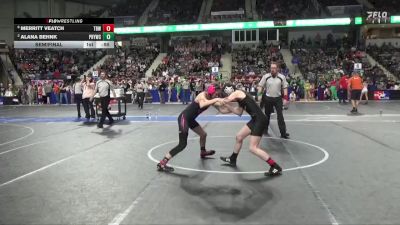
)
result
[(139, 88), (292, 96), (276, 95), (77, 92), (364, 92), (87, 100), (104, 88)]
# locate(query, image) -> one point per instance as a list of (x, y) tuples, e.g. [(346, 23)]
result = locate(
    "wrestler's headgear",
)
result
[(211, 90), (229, 89)]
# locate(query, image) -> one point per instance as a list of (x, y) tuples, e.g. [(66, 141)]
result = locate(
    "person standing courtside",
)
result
[(77, 89), (162, 87), (355, 85), (192, 90), (139, 88), (104, 87), (343, 85), (87, 100), (274, 84), (185, 92)]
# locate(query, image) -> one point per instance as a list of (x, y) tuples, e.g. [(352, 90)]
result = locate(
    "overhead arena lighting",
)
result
[(395, 19), (232, 26)]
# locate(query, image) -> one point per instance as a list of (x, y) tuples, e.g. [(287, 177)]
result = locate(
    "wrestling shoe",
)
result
[(285, 136), (205, 153), (274, 170), (228, 160), (162, 166)]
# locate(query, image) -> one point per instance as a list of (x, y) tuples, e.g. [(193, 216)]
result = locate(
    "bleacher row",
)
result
[(187, 11), (319, 58)]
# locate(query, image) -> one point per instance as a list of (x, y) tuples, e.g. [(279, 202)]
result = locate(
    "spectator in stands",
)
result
[(175, 12), (252, 61), (41, 94), (307, 88), (2, 90), (132, 8), (30, 93), (192, 89), (292, 96), (277, 10), (388, 56), (396, 87), (162, 87), (56, 91), (63, 93), (35, 94), (9, 91), (48, 91), (185, 92), (333, 89), (199, 86), (53, 64), (132, 65)]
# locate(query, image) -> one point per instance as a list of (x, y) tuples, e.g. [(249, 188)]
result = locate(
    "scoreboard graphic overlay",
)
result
[(89, 33)]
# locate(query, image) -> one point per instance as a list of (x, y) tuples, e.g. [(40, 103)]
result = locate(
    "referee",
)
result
[(274, 84), (103, 87), (139, 88)]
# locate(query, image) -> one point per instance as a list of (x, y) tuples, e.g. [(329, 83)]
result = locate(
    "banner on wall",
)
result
[(381, 95)]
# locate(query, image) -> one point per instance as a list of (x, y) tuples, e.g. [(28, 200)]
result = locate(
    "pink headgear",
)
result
[(211, 89)]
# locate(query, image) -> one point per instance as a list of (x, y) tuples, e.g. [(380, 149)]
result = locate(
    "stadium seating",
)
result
[(338, 2), (325, 59), (191, 57), (175, 12), (221, 6), (391, 6), (127, 13), (388, 56), (278, 10), (132, 65), (49, 64), (254, 61)]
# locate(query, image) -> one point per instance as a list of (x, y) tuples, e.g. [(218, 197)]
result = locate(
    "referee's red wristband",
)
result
[(285, 97)]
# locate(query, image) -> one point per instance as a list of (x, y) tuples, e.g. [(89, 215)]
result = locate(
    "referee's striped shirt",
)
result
[(273, 85), (103, 87)]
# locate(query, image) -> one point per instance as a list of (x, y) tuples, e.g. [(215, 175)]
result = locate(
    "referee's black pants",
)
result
[(270, 103), (105, 101), (140, 99)]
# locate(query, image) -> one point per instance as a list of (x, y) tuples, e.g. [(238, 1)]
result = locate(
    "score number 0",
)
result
[(108, 27)]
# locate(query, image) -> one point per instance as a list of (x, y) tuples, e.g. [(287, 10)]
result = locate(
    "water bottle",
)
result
[(380, 112), (149, 115)]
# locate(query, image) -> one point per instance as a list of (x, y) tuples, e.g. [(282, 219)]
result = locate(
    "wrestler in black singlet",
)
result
[(186, 120), (258, 121)]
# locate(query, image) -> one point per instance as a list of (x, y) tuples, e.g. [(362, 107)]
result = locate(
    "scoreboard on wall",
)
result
[(59, 33)]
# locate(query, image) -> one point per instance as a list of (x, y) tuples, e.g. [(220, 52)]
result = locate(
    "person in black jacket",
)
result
[(161, 89)]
